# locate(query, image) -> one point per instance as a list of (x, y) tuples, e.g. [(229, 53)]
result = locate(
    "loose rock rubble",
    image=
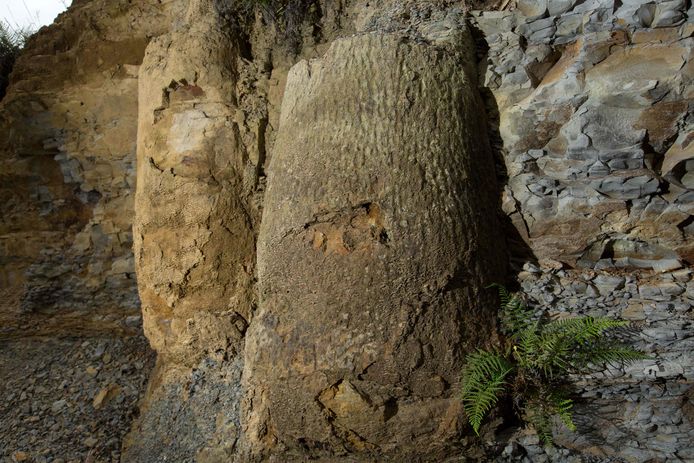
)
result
[(69, 400)]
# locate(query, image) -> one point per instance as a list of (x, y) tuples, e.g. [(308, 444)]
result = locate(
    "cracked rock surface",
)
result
[(304, 194)]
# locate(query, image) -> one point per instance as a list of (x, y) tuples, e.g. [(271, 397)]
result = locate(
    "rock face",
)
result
[(369, 254), (420, 229), (323, 311), (67, 144), (594, 113), (632, 402), (194, 239), (594, 117), (194, 242)]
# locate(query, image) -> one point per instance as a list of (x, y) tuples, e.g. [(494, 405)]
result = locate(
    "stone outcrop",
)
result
[(199, 177), (640, 413), (194, 239), (377, 214), (323, 310), (594, 116), (594, 121), (67, 160)]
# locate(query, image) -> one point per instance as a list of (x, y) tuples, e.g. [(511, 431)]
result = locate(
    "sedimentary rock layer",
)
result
[(594, 103), (595, 118), (68, 127)]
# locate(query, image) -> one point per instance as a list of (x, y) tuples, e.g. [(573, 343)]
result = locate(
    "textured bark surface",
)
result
[(194, 244), (377, 236), (194, 240)]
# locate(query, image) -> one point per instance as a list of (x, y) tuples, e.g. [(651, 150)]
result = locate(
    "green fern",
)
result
[(541, 355), (483, 383), (504, 294), (515, 315), (540, 418), (605, 352), (583, 328), (562, 407), (542, 406)]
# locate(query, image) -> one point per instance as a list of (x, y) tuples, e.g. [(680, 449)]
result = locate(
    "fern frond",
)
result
[(562, 407), (608, 352), (581, 329), (553, 352), (536, 351), (515, 315), (543, 355), (564, 412), (483, 382), (573, 344), (543, 406), (591, 342), (504, 293), (537, 415)]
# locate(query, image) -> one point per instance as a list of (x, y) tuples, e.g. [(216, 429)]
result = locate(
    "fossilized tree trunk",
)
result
[(377, 236), (378, 233), (193, 239)]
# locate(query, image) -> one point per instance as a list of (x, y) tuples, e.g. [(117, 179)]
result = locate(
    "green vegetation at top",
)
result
[(11, 43), (535, 365)]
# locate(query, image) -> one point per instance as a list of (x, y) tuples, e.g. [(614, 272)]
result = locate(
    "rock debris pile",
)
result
[(65, 399)]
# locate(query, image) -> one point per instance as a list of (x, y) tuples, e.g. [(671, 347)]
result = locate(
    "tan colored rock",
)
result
[(105, 395), (91, 442), (20, 456), (634, 311), (68, 129), (379, 228), (194, 242), (378, 210), (194, 238)]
